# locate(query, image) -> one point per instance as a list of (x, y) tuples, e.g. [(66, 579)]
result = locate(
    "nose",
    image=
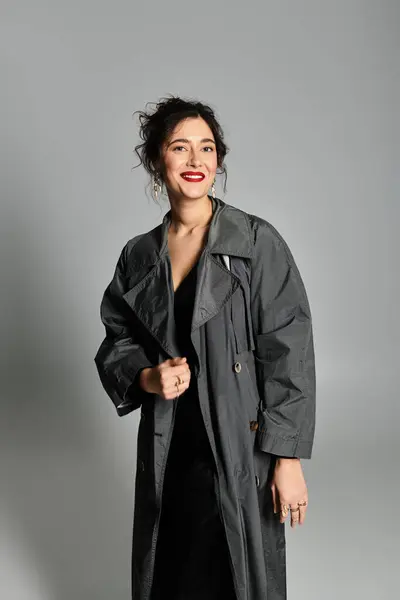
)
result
[(194, 158)]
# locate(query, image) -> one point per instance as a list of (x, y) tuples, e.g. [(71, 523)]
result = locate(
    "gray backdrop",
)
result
[(308, 95)]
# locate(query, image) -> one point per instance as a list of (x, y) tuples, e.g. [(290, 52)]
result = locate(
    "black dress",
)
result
[(192, 560)]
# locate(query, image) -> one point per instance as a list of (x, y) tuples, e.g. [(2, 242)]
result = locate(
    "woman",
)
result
[(208, 330)]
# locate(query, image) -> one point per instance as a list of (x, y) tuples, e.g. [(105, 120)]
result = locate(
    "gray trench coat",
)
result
[(255, 369)]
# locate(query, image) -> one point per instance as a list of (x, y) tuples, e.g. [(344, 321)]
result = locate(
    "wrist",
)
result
[(143, 375)]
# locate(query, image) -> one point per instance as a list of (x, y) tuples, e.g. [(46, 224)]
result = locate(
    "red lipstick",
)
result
[(193, 176)]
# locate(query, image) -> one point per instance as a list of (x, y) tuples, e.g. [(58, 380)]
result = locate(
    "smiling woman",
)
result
[(191, 142), (176, 131), (208, 330)]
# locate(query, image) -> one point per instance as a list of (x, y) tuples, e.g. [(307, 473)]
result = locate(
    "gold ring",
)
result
[(180, 379), (285, 508)]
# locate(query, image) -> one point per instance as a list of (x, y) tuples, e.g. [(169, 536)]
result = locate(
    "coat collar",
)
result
[(228, 234), (148, 271)]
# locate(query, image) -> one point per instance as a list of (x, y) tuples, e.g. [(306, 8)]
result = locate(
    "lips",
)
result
[(192, 176)]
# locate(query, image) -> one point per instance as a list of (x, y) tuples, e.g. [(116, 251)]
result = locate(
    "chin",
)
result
[(194, 194)]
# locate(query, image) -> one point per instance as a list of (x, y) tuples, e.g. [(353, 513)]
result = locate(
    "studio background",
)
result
[(308, 96)]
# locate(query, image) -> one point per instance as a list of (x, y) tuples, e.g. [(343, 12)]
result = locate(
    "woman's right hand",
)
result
[(162, 379)]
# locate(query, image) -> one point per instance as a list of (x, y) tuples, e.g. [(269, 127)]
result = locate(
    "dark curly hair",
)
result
[(155, 128)]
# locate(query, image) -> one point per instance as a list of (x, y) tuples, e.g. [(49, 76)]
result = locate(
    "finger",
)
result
[(172, 362), (176, 383), (274, 499), (284, 511), (183, 369), (173, 386), (294, 515), (169, 375), (178, 369), (180, 375), (179, 359), (302, 516), (168, 384)]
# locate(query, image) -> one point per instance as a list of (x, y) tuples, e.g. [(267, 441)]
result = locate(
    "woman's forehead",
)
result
[(194, 128)]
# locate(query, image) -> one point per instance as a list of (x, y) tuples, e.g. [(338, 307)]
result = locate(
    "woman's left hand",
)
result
[(289, 490)]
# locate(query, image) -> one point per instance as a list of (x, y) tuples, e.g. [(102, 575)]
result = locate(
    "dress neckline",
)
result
[(192, 269)]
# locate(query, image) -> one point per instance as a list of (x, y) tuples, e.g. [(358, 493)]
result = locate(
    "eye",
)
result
[(177, 147), (209, 147)]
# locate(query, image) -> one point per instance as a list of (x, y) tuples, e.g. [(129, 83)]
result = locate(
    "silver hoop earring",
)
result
[(213, 193), (156, 186)]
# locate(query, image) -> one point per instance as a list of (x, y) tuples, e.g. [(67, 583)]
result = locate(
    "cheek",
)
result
[(172, 167), (212, 162)]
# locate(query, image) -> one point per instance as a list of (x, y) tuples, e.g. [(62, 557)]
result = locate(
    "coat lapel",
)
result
[(149, 274)]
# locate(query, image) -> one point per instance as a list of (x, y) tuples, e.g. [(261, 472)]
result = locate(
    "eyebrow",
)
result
[(186, 141)]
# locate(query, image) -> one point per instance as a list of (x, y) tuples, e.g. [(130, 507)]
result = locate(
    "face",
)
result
[(189, 151)]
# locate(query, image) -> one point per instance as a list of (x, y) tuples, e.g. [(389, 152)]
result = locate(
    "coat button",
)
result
[(238, 367), (257, 481), (141, 465)]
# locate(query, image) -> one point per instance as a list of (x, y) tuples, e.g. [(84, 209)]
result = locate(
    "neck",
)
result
[(189, 216)]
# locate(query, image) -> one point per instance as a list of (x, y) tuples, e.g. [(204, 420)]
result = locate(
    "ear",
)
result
[(159, 168)]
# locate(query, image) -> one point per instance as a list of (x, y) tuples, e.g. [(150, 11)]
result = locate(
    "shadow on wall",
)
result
[(69, 487)]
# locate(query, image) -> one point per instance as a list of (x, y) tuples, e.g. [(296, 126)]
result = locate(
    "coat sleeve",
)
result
[(120, 358), (284, 348)]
